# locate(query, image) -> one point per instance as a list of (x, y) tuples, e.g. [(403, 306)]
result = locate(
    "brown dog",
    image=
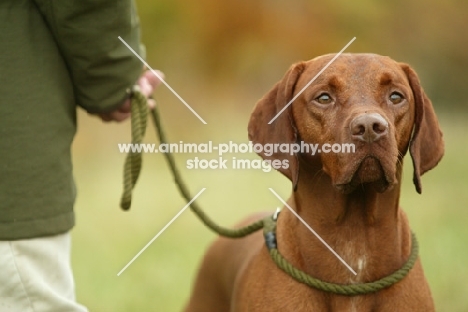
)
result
[(350, 200)]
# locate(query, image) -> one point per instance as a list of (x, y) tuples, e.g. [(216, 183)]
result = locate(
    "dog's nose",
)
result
[(368, 127)]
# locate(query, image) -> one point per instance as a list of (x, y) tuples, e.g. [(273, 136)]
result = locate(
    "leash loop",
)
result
[(132, 165)]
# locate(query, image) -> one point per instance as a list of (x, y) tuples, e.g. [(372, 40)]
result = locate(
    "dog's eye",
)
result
[(324, 98), (396, 98)]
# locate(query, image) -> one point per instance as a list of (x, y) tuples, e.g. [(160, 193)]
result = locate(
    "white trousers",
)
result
[(36, 276)]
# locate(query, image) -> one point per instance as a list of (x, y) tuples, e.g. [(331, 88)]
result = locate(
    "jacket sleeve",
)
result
[(101, 67)]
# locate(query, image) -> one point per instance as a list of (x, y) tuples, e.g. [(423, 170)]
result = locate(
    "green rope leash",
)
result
[(132, 168), (226, 232)]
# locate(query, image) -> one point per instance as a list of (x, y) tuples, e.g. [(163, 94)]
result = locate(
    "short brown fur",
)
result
[(351, 200)]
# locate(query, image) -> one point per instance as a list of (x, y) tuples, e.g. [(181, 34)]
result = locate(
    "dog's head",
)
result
[(367, 101)]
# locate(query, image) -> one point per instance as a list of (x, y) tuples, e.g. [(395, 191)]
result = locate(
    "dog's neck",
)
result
[(364, 207), (364, 227)]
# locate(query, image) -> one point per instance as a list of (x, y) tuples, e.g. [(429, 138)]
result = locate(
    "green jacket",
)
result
[(55, 55)]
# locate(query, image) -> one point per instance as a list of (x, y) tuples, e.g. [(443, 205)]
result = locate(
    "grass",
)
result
[(105, 238)]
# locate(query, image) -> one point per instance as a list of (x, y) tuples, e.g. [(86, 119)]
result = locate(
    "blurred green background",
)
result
[(222, 56)]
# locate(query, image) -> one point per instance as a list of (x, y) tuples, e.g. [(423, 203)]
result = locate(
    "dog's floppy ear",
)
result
[(427, 145), (283, 128)]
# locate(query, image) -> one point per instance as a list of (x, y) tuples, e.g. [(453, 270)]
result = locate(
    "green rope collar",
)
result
[(132, 170), (269, 232)]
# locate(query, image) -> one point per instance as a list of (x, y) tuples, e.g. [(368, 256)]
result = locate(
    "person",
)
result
[(55, 56)]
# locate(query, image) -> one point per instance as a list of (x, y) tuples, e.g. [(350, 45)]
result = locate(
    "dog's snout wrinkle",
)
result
[(368, 127)]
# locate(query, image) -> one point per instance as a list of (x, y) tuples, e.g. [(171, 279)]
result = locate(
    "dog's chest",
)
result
[(354, 254)]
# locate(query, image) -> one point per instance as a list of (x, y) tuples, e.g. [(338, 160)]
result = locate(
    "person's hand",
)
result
[(147, 83)]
